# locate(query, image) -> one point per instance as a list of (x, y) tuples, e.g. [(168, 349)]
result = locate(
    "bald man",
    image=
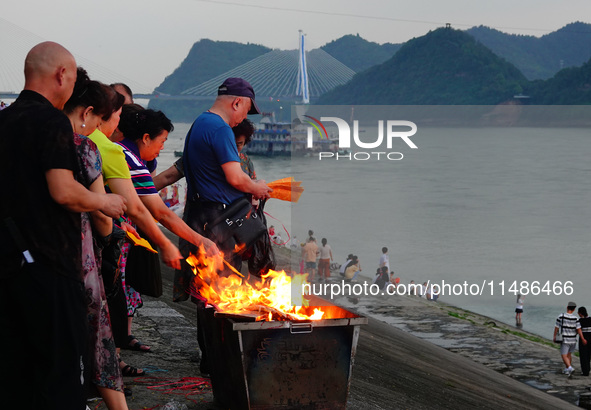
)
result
[(42, 301)]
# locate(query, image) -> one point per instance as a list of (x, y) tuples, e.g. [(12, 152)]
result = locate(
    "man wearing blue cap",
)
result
[(211, 161), (215, 179)]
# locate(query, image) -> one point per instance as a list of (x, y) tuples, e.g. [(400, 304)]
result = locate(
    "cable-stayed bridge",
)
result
[(272, 75), (275, 74)]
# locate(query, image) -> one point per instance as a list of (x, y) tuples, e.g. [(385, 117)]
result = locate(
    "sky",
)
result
[(143, 41)]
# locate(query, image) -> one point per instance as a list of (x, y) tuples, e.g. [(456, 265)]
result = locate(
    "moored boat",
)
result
[(274, 138)]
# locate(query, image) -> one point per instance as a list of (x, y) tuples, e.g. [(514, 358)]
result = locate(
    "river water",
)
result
[(486, 206)]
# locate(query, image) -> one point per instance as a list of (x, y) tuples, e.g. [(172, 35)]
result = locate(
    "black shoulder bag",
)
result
[(239, 223)]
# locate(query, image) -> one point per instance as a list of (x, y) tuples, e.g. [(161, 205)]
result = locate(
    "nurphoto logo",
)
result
[(390, 131)]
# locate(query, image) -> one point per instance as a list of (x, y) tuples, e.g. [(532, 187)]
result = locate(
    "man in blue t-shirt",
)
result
[(214, 177), (212, 164), (211, 161), (211, 145)]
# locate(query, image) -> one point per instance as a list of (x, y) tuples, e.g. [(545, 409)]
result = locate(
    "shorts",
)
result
[(566, 348), (310, 265), (518, 310)]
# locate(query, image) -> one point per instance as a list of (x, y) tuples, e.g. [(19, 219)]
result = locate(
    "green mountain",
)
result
[(571, 86), (359, 54), (206, 60), (540, 58), (445, 66)]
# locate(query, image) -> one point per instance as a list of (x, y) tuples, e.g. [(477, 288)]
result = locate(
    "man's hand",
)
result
[(210, 247), (261, 190), (242, 182), (113, 205)]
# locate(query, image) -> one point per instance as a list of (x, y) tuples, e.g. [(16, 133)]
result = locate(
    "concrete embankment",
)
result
[(413, 354)]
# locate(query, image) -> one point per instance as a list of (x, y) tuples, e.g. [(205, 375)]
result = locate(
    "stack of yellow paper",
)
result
[(286, 189)]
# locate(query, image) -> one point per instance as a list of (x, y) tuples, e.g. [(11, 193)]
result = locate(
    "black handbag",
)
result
[(239, 224), (142, 271), (261, 257)]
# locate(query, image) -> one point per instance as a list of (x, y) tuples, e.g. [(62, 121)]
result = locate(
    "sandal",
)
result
[(137, 346), (130, 371)]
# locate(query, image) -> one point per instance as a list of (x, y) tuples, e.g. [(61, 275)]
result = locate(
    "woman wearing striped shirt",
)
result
[(145, 132)]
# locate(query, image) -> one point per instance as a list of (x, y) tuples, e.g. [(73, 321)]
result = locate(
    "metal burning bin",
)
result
[(282, 364)]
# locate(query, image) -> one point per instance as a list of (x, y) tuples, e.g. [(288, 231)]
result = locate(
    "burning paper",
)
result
[(270, 296)]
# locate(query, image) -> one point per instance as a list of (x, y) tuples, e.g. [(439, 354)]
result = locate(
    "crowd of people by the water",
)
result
[(318, 263), (79, 159)]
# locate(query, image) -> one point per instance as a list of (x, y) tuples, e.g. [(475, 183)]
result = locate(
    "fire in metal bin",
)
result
[(282, 364)]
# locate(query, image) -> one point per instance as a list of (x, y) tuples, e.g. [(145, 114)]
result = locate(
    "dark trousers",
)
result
[(44, 340), (196, 215), (585, 354), (205, 365)]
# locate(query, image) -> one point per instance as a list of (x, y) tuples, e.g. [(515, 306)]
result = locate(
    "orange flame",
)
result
[(269, 298)]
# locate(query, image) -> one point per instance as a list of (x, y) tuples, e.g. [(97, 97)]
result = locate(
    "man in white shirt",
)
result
[(384, 259)]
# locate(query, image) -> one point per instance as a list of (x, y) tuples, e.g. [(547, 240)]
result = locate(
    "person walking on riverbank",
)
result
[(518, 309), (584, 345), (568, 326)]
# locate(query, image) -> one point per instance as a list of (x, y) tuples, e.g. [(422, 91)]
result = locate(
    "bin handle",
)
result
[(295, 328)]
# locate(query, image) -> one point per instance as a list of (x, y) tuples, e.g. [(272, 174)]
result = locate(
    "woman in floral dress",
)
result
[(86, 109)]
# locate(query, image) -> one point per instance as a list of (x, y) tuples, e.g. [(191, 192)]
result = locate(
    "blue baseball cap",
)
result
[(240, 88)]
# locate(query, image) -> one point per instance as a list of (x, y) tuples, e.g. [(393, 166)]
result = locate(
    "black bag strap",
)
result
[(561, 323)]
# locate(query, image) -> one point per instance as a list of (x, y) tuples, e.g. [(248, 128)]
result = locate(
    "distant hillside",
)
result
[(208, 59), (445, 66), (571, 86), (359, 54), (540, 58)]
